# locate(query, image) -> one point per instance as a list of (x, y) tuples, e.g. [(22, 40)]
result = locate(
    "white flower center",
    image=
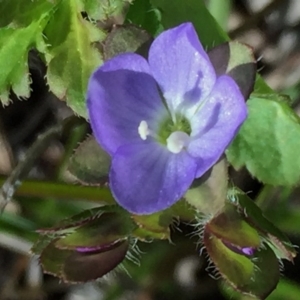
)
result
[(143, 130), (177, 141)]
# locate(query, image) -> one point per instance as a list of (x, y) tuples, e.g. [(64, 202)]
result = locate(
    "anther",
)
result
[(143, 130)]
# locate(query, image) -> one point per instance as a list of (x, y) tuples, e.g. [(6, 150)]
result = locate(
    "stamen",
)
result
[(177, 141), (143, 130)]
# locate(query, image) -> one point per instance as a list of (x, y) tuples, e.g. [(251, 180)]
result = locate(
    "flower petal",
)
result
[(181, 66), (148, 178), (121, 94), (216, 123)]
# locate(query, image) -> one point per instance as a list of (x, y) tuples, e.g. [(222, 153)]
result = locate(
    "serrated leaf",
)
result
[(15, 45), (268, 143), (126, 38), (68, 224), (90, 163), (42, 242), (71, 57), (26, 21)]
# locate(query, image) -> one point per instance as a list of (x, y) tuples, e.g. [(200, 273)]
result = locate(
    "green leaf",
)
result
[(142, 13), (90, 163), (268, 143), (15, 45), (18, 13), (98, 233), (104, 9), (183, 210), (86, 246), (286, 289), (71, 57), (75, 267), (41, 244), (83, 267), (230, 226), (145, 235), (235, 268), (277, 240), (157, 223), (266, 273), (52, 259), (68, 226), (256, 276), (177, 11)]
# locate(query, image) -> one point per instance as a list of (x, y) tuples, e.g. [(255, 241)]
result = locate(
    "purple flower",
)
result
[(164, 121)]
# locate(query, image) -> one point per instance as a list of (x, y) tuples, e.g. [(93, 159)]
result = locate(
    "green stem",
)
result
[(44, 189)]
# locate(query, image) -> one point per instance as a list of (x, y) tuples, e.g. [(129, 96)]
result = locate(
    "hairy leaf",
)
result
[(257, 275), (75, 267), (277, 240), (98, 233), (231, 227)]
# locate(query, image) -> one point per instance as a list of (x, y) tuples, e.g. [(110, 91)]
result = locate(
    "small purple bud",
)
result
[(249, 251)]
